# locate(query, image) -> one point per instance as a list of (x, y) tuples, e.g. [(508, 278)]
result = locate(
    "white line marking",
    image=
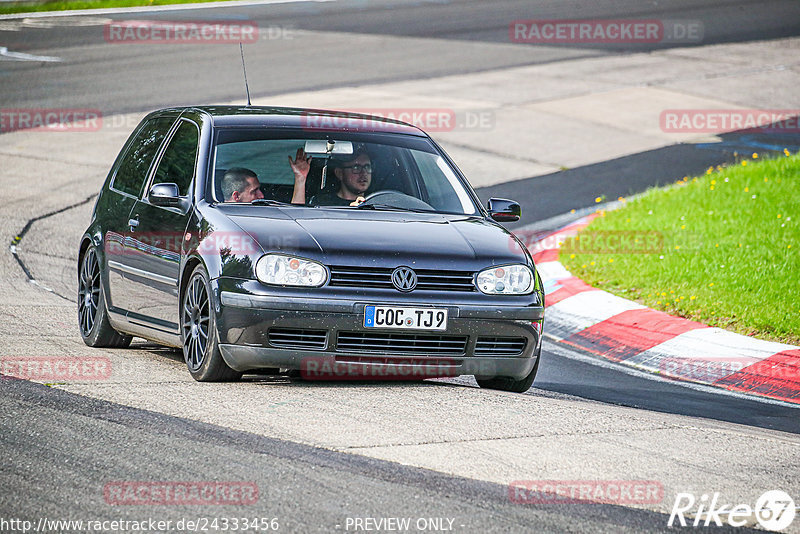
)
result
[(153, 9), (21, 56)]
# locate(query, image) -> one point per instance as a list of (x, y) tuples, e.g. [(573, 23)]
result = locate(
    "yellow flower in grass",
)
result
[(692, 297), (712, 187), (591, 263), (709, 170), (711, 284), (572, 256), (746, 189), (658, 302), (744, 163), (779, 215), (755, 155), (610, 260), (785, 151), (713, 182), (598, 199)]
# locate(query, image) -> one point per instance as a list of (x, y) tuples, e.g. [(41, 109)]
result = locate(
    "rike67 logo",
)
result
[(774, 511)]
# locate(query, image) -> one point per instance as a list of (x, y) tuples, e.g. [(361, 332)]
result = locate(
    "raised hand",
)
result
[(301, 164)]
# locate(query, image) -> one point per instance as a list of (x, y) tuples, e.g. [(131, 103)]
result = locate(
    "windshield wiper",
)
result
[(268, 202), (388, 207)]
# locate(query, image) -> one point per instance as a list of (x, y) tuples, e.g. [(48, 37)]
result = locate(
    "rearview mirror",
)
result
[(164, 195), (504, 210), (328, 147)]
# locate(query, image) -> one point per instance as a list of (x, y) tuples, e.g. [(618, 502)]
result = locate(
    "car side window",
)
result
[(178, 162), (133, 169)]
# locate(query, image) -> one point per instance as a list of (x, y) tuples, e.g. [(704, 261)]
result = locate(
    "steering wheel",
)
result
[(392, 197)]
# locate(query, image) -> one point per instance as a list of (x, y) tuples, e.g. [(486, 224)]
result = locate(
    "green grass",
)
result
[(728, 251), (63, 5)]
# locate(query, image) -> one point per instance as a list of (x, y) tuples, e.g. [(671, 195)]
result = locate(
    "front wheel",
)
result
[(199, 332), (512, 384), (96, 330)]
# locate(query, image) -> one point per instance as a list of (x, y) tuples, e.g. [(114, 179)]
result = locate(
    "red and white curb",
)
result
[(626, 332)]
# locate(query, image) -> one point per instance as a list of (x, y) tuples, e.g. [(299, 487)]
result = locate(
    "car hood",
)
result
[(383, 238)]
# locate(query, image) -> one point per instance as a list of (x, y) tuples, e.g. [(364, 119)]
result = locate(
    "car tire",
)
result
[(93, 323), (512, 384), (199, 338)]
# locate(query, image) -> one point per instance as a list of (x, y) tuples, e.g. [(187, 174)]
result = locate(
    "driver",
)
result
[(354, 174)]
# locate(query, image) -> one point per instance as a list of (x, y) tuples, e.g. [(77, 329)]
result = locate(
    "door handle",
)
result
[(133, 223)]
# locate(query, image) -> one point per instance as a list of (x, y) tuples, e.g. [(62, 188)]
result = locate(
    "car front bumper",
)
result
[(333, 343)]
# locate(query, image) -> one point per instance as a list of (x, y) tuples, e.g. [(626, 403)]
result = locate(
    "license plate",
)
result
[(412, 318)]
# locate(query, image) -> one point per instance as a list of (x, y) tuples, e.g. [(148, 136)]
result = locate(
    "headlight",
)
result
[(280, 270), (506, 280)]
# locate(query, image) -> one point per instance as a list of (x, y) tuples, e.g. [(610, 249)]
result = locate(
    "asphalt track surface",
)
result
[(309, 489), (60, 447), (433, 38)]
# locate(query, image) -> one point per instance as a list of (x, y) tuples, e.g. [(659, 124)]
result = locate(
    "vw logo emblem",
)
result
[(404, 279)]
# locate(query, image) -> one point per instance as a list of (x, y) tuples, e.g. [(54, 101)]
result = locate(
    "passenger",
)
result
[(241, 185), (354, 175)]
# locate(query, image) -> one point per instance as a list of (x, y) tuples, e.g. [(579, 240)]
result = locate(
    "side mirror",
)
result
[(503, 210), (164, 195)]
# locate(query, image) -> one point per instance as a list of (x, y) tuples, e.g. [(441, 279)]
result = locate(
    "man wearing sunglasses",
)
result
[(355, 177)]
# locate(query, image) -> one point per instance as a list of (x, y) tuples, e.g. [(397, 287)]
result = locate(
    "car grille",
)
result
[(381, 278), (421, 344), (499, 346), (297, 338)]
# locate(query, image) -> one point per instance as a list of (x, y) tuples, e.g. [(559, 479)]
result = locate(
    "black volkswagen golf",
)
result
[(292, 240)]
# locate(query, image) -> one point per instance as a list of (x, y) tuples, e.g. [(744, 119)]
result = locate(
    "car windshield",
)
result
[(389, 171)]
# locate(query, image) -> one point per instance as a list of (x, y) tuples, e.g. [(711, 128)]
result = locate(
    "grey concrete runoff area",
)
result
[(324, 454)]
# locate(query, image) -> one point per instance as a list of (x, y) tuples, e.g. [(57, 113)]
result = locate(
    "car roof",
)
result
[(299, 118)]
